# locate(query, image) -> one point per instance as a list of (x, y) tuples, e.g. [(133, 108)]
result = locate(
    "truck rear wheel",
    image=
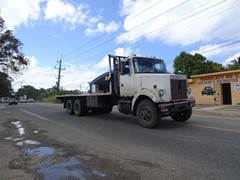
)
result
[(79, 108), (147, 114), (69, 107), (182, 116)]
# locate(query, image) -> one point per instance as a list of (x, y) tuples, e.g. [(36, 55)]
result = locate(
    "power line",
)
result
[(71, 52), (201, 19), (216, 47), (181, 19), (219, 47), (103, 33), (105, 42), (143, 11), (177, 20)]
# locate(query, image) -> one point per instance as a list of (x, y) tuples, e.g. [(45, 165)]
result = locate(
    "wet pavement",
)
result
[(51, 162)]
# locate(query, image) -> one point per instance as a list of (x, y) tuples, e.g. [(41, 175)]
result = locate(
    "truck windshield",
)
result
[(149, 65)]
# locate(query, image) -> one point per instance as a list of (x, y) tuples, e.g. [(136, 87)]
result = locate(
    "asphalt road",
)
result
[(205, 147)]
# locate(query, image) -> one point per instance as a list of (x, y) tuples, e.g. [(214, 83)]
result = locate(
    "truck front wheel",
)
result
[(79, 108), (182, 116), (69, 107), (147, 114)]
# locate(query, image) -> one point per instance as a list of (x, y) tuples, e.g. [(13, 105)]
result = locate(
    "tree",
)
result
[(234, 64), (5, 85), (190, 65), (11, 57), (28, 90)]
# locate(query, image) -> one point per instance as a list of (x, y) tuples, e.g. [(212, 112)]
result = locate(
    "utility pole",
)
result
[(2, 6), (59, 73), (80, 88)]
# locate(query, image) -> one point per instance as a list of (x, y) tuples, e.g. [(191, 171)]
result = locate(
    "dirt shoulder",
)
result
[(27, 153), (10, 154)]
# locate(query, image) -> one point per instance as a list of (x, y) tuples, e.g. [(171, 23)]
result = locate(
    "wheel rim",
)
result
[(146, 114), (69, 107), (77, 107)]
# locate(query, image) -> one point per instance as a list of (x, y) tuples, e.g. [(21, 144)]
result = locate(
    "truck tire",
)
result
[(79, 108), (182, 116), (69, 107), (147, 113), (107, 109)]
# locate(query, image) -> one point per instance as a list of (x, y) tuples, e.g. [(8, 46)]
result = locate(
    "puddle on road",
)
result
[(53, 163), (39, 152), (69, 169)]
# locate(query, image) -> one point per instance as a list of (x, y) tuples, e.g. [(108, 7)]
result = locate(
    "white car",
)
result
[(23, 101), (13, 101), (30, 100)]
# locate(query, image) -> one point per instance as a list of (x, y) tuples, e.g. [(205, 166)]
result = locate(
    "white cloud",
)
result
[(16, 13), (39, 77), (229, 59), (46, 77), (173, 22), (71, 78), (74, 76), (214, 50), (95, 19), (101, 27), (58, 11), (27, 12), (104, 63)]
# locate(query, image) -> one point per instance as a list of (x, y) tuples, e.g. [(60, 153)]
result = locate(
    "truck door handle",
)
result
[(122, 85)]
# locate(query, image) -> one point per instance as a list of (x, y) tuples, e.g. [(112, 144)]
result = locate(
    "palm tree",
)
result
[(235, 64)]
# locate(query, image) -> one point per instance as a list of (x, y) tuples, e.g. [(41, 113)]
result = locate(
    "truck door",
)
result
[(127, 79)]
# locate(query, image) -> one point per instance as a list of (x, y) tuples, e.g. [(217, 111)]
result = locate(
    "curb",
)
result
[(227, 111)]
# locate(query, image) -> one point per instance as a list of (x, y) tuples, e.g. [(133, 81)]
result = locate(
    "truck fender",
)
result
[(144, 92)]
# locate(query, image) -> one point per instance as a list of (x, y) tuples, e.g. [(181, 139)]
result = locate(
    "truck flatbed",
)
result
[(83, 95)]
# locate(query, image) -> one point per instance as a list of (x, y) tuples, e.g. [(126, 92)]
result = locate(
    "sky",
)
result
[(82, 33)]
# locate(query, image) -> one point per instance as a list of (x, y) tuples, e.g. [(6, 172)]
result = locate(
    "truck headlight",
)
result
[(161, 92), (189, 91)]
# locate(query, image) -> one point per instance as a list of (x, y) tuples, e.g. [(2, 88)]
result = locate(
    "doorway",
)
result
[(226, 93)]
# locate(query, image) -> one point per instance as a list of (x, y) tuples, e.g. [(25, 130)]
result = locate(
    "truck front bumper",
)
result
[(176, 106)]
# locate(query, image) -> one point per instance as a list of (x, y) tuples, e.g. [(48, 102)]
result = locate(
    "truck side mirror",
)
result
[(126, 71)]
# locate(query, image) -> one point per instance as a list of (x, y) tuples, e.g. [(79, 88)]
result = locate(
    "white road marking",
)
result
[(35, 115)]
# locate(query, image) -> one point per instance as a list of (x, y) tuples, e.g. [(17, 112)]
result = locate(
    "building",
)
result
[(216, 88)]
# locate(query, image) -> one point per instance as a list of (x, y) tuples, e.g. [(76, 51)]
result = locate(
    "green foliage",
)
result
[(5, 85), (42, 95), (52, 99), (235, 64), (190, 65), (30, 91), (11, 57), (46, 95)]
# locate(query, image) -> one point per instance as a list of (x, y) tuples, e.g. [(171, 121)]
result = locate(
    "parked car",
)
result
[(23, 101), (13, 101), (30, 100), (2, 100)]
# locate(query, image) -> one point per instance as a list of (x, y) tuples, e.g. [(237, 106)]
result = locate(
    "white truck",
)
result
[(140, 86)]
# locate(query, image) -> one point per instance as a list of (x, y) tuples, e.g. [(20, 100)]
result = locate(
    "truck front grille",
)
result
[(178, 89)]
